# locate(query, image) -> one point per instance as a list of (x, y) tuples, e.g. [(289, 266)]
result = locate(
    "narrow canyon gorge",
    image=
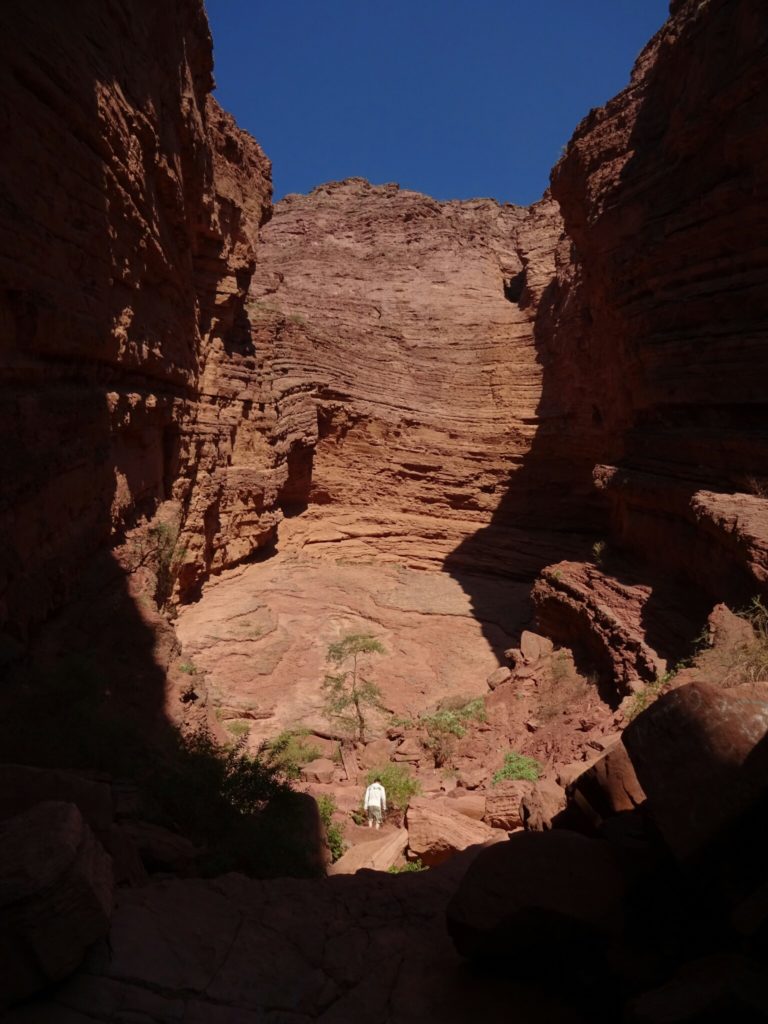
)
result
[(525, 450)]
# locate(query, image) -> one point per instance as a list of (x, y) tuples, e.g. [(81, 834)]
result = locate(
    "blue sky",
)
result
[(457, 98)]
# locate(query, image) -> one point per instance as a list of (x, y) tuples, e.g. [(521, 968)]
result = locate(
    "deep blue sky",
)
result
[(456, 98)]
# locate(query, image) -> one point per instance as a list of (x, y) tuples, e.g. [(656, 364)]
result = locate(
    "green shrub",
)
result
[(409, 866), (238, 729), (398, 784), (641, 699), (333, 832), (516, 767), (189, 667), (290, 751), (448, 723)]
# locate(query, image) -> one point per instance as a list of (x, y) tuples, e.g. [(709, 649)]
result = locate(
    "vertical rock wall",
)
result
[(663, 192), (130, 206)]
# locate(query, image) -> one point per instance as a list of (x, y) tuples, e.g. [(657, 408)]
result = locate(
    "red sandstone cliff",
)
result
[(131, 204), (663, 194), (413, 332)]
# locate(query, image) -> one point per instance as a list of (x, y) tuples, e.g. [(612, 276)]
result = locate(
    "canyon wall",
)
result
[(663, 193), (421, 333), (130, 208), (455, 384)]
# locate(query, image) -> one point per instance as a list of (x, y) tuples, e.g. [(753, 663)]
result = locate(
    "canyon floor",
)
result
[(261, 633)]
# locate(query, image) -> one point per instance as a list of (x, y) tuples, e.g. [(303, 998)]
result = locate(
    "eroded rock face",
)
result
[(131, 204), (420, 327), (662, 192)]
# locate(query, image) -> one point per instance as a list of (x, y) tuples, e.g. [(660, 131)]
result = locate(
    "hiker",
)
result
[(375, 803)]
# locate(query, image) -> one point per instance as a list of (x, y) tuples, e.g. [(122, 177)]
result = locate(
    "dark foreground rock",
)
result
[(517, 896), (55, 897), (370, 947)]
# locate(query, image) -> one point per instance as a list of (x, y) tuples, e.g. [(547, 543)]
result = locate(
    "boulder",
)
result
[(55, 897), (21, 787), (435, 832), (471, 804), (473, 776), (502, 804), (127, 865), (609, 786), (499, 676), (410, 750), (701, 756), (378, 855), (516, 897), (160, 849), (541, 804), (347, 796), (295, 844), (534, 647), (375, 754), (320, 770)]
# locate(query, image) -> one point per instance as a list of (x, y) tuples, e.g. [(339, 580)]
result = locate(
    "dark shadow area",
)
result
[(550, 509), (654, 357), (110, 269)]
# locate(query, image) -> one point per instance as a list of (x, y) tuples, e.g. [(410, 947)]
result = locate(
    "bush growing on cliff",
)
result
[(290, 751), (348, 694), (326, 805), (449, 723), (517, 767)]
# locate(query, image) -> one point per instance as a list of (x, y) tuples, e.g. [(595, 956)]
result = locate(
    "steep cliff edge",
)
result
[(131, 204)]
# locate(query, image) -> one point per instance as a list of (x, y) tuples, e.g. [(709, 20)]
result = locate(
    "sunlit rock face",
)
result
[(422, 334)]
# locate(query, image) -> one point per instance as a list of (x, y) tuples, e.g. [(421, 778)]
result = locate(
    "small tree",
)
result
[(348, 693)]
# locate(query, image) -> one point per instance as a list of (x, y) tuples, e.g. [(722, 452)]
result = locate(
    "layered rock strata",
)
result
[(131, 203), (663, 193), (422, 330)]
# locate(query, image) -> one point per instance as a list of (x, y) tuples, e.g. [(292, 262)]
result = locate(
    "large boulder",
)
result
[(322, 769), (435, 832), (541, 804), (160, 849), (471, 804), (22, 786), (701, 756), (378, 855), (55, 897), (534, 647), (539, 896), (503, 804), (376, 753), (609, 786)]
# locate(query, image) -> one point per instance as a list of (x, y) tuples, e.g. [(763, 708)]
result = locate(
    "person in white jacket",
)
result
[(375, 803)]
